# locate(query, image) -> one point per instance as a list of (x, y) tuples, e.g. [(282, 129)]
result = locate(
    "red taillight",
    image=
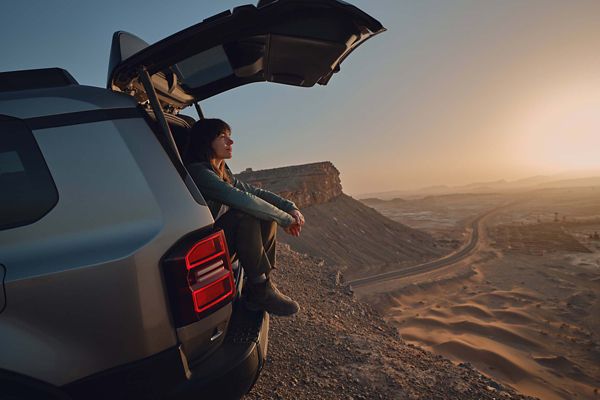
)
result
[(205, 250), (212, 294), (209, 272), (198, 276)]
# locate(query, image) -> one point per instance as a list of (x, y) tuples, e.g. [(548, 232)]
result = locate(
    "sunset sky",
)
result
[(455, 91)]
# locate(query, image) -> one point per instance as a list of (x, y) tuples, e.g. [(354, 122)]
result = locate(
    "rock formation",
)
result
[(305, 185), (341, 230)]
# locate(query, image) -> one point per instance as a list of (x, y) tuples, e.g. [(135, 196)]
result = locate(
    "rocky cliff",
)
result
[(341, 230), (305, 185)]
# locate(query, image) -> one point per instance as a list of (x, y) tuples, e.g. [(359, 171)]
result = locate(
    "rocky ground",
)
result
[(339, 348)]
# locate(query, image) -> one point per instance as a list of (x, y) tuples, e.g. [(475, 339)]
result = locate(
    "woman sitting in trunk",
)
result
[(248, 215)]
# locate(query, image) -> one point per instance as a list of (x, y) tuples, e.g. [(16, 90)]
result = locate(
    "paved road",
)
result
[(435, 264)]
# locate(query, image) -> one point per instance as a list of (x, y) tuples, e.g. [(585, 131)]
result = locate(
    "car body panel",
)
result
[(84, 288)]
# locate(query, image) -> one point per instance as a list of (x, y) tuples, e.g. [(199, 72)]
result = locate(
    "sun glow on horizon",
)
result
[(562, 131)]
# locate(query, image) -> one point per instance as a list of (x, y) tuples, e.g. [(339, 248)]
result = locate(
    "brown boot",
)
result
[(265, 296)]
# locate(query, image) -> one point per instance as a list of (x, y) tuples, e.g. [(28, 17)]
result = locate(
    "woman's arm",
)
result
[(214, 188), (268, 196)]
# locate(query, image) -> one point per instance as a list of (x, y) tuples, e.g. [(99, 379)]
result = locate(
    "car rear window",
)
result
[(205, 67), (27, 190)]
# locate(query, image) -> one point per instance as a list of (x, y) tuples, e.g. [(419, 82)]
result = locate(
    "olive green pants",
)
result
[(251, 240)]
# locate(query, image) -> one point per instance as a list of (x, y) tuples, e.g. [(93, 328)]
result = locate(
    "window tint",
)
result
[(205, 67), (27, 191)]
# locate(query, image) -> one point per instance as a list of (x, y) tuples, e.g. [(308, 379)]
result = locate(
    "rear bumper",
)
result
[(232, 370), (228, 373)]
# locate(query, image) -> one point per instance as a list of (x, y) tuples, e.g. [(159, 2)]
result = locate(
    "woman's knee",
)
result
[(248, 220), (269, 228)]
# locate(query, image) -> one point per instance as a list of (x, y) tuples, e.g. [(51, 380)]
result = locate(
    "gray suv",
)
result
[(114, 282)]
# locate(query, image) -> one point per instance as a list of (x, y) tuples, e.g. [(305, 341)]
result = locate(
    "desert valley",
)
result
[(504, 278), (524, 306)]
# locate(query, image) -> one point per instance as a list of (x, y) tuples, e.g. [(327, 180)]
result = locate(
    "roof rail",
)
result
[(35, 79)]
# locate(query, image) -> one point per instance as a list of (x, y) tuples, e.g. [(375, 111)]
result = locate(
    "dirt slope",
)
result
[(339, 348), (346, 233)]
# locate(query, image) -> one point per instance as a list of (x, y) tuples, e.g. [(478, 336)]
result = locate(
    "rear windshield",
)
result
[(204, 68), (27, 191)]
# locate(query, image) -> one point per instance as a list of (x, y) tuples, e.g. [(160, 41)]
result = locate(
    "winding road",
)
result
[(449, 259)]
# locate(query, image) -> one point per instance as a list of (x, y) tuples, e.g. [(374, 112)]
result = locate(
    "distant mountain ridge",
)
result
[(501, 185)]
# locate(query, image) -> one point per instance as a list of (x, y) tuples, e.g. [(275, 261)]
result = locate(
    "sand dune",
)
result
[(502, 348), (513, 317), (462, 326), (493, 357), (527, 335), (505, 364), (472, 310), (567, 366), (506, 299), (438, 313)]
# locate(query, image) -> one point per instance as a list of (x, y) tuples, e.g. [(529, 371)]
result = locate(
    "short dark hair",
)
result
[(199, 148), (202, 133)]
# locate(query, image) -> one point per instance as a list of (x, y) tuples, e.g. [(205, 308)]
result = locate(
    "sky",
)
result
[(455, 91)]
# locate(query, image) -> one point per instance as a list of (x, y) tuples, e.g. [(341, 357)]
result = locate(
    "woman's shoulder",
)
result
[(199, 165), (200, 169), (203, 172)]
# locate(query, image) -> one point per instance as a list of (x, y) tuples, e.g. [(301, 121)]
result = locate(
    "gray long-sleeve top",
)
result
[(260, 203)]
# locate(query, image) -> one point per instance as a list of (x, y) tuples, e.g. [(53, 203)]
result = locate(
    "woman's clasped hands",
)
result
[(296, 226)]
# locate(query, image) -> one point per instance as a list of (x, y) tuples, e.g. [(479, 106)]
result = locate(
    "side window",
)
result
[(27, 191)]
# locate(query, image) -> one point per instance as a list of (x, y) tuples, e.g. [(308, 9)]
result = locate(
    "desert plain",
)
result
[(523, 306)]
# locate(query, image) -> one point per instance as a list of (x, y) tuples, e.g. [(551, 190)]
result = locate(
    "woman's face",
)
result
[(222, 146)]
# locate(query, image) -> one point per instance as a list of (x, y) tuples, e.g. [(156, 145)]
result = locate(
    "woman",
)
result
[(248, 215)]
